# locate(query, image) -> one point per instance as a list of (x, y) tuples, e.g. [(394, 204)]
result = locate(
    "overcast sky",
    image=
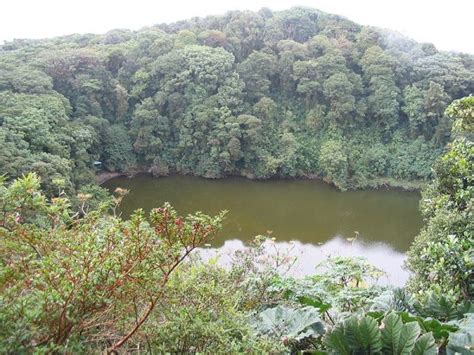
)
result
[(449, 24)]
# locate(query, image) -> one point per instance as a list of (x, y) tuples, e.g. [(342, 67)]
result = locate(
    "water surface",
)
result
[(308, 211)]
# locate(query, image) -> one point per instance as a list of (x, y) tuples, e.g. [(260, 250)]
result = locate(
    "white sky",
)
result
[(449, 24)]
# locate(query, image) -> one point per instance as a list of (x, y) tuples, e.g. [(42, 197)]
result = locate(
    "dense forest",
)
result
[(297, 93)]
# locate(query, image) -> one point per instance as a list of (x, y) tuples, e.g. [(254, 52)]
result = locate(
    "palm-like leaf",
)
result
[(410, 332), (391, 333), (363, 335), (399, 338), (425, 345), (337, 340)]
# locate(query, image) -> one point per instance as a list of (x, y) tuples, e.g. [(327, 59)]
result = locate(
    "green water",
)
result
[(308, 211)]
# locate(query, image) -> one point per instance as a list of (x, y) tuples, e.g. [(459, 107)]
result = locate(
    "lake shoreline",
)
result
[(375, 184)]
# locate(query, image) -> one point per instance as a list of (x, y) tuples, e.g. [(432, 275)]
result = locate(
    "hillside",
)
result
[(297, 93)]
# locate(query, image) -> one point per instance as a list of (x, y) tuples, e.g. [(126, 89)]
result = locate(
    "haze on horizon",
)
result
[(447, 24)]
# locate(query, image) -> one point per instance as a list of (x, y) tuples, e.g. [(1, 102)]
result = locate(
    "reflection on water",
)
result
[(305, 210), (319, 217), (308, 256)]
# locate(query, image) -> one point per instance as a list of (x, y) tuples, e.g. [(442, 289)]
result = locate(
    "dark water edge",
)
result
[(102, 177), (313, 218)]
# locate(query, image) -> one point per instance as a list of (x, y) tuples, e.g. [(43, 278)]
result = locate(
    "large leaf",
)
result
[(336, 340), (398, 338), (396, 299), (410, 333), (425, 345), (462, 342), (439, 307), (440, 330), (314, 302), (363, 335), (283, 322), (391, 333)]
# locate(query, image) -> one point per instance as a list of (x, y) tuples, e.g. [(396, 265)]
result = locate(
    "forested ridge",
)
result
[(296, 93)]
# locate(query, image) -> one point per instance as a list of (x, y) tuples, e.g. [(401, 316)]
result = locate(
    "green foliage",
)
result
[(462, 342), (81, 280), (340, 284), (425, 345), (200, 313), (347, 282), (91, 198), (296, 93), (363, 335), (69, 281), (397, 299), (38, 135), (441, 257), (399, 338), (355, 335), (442, 306), (463, 110), (118, 154), (333, 161), (288, 325), (314, 302)]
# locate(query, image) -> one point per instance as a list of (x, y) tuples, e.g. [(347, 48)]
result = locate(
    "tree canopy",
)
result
[(259, 94)]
